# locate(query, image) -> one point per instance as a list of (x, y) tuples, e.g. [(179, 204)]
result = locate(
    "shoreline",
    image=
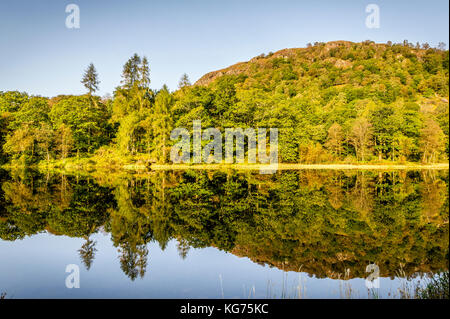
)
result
[(235, 166), (287, 166)]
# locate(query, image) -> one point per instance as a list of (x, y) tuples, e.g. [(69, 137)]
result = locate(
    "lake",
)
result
[(221, 234)]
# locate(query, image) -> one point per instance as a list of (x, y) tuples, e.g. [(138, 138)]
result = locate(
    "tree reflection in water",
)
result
[(322, 222)]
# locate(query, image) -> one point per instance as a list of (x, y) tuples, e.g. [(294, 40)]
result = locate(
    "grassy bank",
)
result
[(143, 163), (287, 166)]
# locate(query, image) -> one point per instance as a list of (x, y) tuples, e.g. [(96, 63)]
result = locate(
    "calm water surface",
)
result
[(212, 234)]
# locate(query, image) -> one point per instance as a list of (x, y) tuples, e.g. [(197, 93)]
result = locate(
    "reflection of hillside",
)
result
[(320, 222), (333, 255)]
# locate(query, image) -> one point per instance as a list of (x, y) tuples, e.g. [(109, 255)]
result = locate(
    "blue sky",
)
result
[(38, 54)]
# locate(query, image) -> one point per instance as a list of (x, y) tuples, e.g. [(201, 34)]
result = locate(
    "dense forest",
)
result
[(332, 102), (322, 222)]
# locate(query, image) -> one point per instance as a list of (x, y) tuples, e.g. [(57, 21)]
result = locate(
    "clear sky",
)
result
[(39, 55)]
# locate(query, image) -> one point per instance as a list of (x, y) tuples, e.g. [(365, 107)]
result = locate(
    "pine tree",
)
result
[(144, 73), (144, 82), (91, 82), (131, 70), (90, 79), (184, 81)]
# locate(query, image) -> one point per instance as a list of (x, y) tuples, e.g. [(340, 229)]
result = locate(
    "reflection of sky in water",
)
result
[(35, 268)]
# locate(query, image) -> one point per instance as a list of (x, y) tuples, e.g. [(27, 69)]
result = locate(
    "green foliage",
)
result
[(332, 102), (34, 112), (86, 120), (11, 101), (162, 124), (5, 119), (393, 86)]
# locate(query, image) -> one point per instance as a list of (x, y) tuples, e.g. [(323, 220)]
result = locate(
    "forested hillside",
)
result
[(332, 102)]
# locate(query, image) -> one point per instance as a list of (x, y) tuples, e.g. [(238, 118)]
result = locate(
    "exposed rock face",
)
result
[(243, 67), (342, 64), (211, 76)]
